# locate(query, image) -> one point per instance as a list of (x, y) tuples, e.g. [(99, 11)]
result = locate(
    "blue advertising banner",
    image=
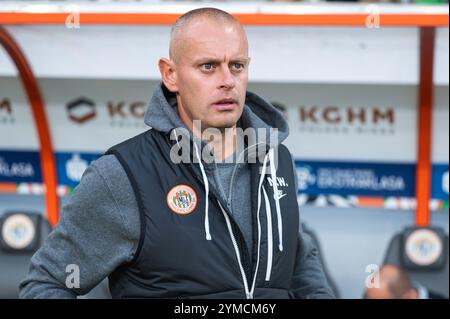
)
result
[(20, 166), (356, 178), (439, 181), (314, 177), (71, 166), (24, 167)]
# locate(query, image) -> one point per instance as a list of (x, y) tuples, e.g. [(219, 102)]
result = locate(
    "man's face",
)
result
[(212, 73), (379, 293)]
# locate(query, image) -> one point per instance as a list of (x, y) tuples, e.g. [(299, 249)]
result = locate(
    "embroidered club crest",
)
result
[(182, 199)]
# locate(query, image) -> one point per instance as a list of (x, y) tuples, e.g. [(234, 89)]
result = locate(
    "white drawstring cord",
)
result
[(269, 236), (277, 199), (205, 181), (261, 179), (176, 137)]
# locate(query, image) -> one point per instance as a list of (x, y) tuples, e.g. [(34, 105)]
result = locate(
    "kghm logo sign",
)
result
[(81, 110), (124, 114), (114, 113), (336, 119), (6, 112)]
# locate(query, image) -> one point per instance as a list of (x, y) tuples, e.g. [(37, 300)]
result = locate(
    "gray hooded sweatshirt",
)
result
[(99, 228)]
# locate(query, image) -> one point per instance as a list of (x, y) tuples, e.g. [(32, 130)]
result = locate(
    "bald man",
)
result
[(202, 205), (394, 283)]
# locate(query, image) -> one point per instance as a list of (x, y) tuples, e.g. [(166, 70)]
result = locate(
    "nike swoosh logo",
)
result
[(281, 196)]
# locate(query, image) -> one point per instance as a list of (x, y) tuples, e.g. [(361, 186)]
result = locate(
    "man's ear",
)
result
[(168, 74)]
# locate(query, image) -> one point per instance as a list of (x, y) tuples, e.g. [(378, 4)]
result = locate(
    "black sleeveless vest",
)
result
[(174, 259)]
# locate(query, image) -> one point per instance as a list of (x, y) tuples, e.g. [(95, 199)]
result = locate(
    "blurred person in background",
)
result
[(394, 283)]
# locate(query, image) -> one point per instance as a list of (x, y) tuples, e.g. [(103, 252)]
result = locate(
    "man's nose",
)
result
[(227, 79)]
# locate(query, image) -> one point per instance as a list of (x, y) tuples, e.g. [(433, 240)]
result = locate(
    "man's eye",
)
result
[(238, 66), (207, 66)]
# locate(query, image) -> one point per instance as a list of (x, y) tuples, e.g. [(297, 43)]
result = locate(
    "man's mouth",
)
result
[(225, 104)]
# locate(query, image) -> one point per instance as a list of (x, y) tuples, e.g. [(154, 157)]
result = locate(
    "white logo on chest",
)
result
[(280, 183)]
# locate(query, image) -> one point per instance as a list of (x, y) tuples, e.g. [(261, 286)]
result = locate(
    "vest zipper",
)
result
[(248, 294), (245, 265), (240, 246)]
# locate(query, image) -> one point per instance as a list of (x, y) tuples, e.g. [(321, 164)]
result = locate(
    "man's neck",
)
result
[(224, 144), (221, 140)]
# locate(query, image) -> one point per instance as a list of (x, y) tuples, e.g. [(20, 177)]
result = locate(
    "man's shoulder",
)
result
[(106, 162), (106, 175), (109, 167), (113, 164), (149, 135)]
